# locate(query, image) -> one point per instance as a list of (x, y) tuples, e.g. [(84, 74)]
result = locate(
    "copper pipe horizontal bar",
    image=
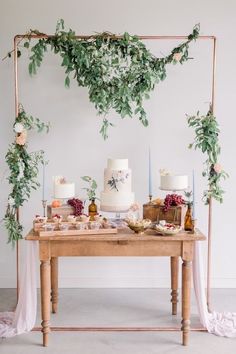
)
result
[(20, 36), (118, 329)]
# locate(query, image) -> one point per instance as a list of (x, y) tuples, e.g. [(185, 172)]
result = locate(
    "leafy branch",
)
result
[(206, 139), (91, 190), (119, 72), (24, 168)]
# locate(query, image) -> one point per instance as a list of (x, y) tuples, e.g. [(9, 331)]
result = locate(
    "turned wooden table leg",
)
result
[(174, 264), (54, 284), (45, 299), (186, 292)]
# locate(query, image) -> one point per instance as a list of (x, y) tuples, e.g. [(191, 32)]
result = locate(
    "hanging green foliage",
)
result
[(119, 72), (206, 139), (23, 168)]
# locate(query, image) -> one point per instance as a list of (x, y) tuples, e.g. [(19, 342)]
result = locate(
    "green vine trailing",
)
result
[(23, 168), (207, 140), (119, 72)]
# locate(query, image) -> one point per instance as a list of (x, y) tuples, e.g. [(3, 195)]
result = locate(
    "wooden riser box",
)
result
[(156, 212), (63, 210)]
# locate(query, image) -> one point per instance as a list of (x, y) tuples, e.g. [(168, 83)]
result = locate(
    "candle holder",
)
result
[(150, 199), (44, 203)]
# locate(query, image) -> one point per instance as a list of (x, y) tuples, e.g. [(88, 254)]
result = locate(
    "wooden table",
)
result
[(123, 244)]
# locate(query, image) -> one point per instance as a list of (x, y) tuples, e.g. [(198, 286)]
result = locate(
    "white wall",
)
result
[(74, 146)]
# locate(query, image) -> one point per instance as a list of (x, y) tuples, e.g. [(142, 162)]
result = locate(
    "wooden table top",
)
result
[(122, 235)]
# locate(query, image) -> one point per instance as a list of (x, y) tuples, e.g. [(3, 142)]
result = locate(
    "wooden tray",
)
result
[(75, 232)]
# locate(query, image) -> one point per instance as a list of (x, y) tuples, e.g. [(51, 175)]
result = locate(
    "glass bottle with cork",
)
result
[(92, 209), (188, 220)]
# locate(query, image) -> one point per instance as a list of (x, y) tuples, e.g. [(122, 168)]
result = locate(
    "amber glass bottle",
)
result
[(188, 220), (92, 209)]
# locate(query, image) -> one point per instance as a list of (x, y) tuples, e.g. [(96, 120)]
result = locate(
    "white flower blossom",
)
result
[(11, 201), (18, 128)]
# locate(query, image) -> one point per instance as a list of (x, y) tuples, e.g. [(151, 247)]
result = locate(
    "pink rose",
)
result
[(177, 56), (217, 167), (21, 138)]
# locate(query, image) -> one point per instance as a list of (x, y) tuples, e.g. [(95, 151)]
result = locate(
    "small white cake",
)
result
[(117, 195), (63, 189), (174, 182)]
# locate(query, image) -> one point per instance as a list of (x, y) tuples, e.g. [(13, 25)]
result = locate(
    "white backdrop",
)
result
[(75, 148)]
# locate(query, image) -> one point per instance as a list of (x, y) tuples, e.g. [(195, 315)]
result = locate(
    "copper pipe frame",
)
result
[(118, 329), (209, 238), (19, 37), (16, 114)]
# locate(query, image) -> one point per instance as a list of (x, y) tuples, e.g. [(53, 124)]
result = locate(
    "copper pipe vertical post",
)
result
[(209, 239), (16, 114)]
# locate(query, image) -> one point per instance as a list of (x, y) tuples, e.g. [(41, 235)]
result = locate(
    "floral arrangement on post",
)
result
[(119, 71), (207, 140), (23, 168), (91, 189)]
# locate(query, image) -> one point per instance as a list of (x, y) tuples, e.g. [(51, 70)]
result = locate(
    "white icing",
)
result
[(117, 164), (174, 183), (116, 202), (64, 190)]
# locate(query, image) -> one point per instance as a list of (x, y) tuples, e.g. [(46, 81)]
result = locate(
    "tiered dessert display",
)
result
[(63, 189), (117, 195), (169, 209)]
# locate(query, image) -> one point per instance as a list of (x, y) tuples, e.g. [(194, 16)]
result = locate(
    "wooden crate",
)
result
[(63, 210), (156, 213)]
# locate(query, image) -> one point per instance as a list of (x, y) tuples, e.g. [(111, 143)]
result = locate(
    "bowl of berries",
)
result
[(167, 229)]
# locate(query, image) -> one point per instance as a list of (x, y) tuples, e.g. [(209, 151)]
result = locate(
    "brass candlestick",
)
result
[(150, 199), (44, 203)]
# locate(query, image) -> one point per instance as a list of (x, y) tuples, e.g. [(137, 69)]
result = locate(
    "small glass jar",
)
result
[(63, 227), (94, 225), (81, 226), (48, 227)]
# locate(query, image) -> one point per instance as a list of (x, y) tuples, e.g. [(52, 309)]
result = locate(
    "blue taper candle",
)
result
[(193, 194), (43, 184), (150, 173)]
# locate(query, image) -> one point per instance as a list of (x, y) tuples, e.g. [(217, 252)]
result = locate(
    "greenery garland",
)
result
[(207, 140), (23, 168), (118, 72)]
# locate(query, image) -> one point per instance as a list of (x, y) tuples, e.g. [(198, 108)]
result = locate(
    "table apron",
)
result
[(121, 248)]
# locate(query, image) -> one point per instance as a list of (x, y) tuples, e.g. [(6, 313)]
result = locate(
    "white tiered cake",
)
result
[(117, 195)]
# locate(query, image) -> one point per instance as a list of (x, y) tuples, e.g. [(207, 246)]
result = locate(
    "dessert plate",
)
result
[(167, 230)]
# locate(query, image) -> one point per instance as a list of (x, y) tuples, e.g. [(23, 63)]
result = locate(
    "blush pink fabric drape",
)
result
[(220, 323), (24, 317)]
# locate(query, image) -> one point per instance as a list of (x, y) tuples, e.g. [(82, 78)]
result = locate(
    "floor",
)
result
[(119, 307)]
